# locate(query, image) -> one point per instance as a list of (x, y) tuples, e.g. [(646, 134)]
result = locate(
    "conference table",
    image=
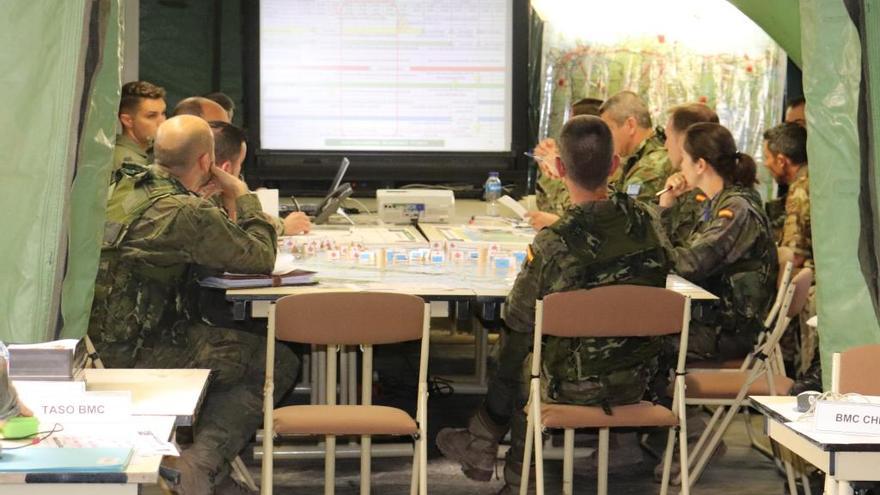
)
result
[(844, 458), (459, 264)]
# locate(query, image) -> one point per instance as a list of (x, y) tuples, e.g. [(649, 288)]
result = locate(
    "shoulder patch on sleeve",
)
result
[(530, 255), (725, 213), (700, 198)]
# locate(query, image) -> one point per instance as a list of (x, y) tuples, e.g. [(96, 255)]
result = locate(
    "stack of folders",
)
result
[(56, 360), (237, 281)]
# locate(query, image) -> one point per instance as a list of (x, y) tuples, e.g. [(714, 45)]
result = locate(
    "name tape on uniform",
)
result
[(848, 417)]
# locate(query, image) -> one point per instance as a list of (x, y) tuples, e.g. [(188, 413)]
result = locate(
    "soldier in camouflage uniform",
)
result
[(551, 196), (157, 230), (141, 112), (601, 241), (645, 161), (688, 208), (730, 251), (785, 155)]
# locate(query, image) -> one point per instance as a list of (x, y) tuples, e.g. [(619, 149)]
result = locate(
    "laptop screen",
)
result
[(339, 174)]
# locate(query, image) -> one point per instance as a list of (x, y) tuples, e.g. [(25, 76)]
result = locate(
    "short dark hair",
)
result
[(223, 100), (586, 106), (688, 114), (134, 91), (586, 148), (796, 102), (715, 144), (227, 140), (189, 106), (624, 105), (788, 139)]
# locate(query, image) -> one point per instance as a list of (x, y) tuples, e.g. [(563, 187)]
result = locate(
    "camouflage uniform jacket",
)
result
[(126, 150), (797, 233), (643, 174), (276, 222), (156, 232), (685, 214), (731, 254), (593, 244), (551, 195), (775, 209)]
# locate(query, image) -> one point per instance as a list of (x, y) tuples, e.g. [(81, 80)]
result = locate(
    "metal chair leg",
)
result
[(568, 462), (603, 461), (667, 461)]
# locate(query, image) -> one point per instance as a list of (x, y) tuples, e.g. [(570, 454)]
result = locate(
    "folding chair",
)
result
[(729, 389), (348, 318), (855, 370), (611, 311), (785, 257)]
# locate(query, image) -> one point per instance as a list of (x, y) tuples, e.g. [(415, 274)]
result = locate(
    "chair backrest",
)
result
[(857, 370), (801, 283), (349, 318), (613, 311), (785, 256)]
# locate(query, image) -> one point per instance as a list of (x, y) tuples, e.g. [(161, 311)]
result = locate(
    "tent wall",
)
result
[(832, 74), (50, 57)]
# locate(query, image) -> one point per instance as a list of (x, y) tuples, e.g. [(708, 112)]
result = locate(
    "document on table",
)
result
[(513, 206)]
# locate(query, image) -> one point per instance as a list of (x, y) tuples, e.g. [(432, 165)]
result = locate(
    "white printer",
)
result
[(423, 205)]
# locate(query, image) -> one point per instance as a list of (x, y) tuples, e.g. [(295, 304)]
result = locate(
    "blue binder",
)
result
[(65, 460)]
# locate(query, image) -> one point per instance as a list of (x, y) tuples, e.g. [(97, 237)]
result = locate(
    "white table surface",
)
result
[(161, 400), (844, 458)]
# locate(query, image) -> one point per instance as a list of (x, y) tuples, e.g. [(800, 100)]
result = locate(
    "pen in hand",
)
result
[(295, 203), (664, 191)]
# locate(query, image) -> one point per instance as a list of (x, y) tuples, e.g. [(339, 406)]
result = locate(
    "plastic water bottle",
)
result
[(491, 193)]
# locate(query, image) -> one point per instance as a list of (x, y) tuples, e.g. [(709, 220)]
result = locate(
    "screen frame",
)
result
[(304, 171)]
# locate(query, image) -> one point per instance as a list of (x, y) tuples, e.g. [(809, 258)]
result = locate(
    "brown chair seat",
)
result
[(730, 364), (726, 384), (631, 415), (343, 420)]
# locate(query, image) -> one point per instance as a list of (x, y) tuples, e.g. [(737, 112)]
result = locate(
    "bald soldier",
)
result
[(201, 107), (159, 229), (644, 161)]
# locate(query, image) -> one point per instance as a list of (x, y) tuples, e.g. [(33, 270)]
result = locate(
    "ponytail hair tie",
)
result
[(737, 155)]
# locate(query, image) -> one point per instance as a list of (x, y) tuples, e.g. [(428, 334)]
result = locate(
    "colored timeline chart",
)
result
[(384, 75)]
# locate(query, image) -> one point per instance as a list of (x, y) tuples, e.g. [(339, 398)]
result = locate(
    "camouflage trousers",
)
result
[(232, 409), (711, 342)]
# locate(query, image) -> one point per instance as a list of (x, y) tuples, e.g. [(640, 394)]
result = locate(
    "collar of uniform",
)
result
[(161, 172), (129, 143), (802, 173), (636, 155)]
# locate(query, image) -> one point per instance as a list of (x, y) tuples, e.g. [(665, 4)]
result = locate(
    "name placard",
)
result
[(848, 417), (83, 407)]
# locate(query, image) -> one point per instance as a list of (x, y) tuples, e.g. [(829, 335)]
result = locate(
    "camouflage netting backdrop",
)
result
[(739, 70)]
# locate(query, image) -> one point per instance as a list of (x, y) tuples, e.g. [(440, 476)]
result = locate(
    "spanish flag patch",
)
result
[(529, 254), (700, 198), (725, 213)]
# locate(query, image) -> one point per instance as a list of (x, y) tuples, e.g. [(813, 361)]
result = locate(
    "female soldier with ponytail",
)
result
[(730, 251)]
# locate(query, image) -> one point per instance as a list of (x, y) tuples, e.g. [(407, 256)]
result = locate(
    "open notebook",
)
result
[(285, 273)]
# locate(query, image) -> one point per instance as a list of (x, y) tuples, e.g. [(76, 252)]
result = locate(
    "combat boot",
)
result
[(185, 476), (474, 447)]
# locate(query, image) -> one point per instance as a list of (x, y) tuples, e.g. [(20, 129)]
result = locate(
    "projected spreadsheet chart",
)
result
[(413, 75)]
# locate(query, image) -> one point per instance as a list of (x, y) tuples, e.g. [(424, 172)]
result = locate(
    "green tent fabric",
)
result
[(832, 75), (52, 207), (89, 189), (780, 19)]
